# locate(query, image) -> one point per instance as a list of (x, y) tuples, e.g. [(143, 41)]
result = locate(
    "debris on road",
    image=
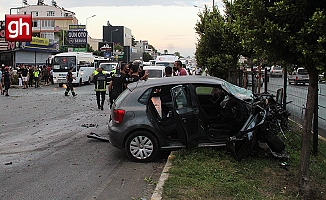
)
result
[(96, 136), (89, 125)]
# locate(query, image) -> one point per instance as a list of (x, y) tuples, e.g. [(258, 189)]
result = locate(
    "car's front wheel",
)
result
[(141, 146)]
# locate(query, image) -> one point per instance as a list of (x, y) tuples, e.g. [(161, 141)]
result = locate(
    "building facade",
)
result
[(49, 23), (119, 35)]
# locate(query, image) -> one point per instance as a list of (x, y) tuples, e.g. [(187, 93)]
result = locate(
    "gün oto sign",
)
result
[(77, 37), (18, 28)]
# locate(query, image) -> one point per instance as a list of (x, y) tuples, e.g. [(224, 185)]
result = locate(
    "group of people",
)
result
[(27, 76), (127, 73)]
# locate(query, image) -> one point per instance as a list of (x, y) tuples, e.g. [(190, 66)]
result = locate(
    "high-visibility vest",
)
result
[(95, 72), (36, 73)]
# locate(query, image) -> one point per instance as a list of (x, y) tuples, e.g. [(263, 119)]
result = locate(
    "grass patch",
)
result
[(211, 173)]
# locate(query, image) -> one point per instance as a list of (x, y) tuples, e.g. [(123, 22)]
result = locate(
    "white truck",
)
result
[(299, 76)]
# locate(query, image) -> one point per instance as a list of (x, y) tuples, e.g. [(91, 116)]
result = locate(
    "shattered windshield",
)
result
[(239, 92)]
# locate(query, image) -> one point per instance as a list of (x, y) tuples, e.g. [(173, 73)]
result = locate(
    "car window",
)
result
[(108, 67), (204, 90), (153, 73), (145, 96), (180, 96), (277, 68), (122, 96), (302, 72)]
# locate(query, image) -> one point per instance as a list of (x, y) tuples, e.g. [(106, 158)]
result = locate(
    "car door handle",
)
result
[(184, 119)]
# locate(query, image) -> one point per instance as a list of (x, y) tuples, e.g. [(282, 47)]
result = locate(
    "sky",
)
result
[(167, 25)]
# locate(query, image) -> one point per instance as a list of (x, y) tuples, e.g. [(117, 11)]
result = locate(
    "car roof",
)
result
[(239, 92), (153, 67), (105, 63)]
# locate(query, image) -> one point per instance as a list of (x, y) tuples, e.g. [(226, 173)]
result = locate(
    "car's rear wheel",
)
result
[(141, 146)]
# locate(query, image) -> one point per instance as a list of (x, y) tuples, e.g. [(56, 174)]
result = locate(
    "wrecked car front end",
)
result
[(265, 115)]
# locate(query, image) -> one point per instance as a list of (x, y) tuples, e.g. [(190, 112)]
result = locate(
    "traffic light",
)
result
[(25, 2)]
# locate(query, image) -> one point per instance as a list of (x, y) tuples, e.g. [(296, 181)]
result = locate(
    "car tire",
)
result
[(141, 146), (274, 142), (88, 82)]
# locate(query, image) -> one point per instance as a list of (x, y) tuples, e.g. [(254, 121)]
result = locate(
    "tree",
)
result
[(294, 32), (89, 48), (147, 57), (177, 54), (218, 48), (118, 47)]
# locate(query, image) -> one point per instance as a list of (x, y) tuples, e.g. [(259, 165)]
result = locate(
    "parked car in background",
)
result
[(197, 111), (299, 76), (155, 71), (276, 71)]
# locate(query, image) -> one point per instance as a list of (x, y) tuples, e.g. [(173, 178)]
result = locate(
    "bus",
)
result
[(81, 63)]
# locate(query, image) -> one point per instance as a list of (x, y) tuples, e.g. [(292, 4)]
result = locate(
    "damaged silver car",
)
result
[(191, 111)]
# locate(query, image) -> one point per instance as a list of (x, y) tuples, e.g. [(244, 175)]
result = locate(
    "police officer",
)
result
[(100, 87), (70, 87)]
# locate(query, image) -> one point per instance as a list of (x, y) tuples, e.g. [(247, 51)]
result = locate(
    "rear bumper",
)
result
[(116, 137)]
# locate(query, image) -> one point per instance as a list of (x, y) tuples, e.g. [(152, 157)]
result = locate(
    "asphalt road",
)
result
[(297, 98), (45, 154)]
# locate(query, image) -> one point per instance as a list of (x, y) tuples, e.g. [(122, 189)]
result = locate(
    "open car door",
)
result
[(241, 144), (186, 115)]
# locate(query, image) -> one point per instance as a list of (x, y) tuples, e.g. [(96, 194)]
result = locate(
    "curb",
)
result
[(157, 194)]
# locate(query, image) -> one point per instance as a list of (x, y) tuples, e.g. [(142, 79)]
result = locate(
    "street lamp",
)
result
[(112, 32), (87, 19)]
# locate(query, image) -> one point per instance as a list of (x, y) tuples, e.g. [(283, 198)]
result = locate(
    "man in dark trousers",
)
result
[(6, 80), (70, 87), (100, 87)]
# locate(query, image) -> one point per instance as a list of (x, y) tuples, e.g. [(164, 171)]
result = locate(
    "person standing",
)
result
[(20, 78), (198, 71), (100, 87), (69, 79), (181, 70), (45, 74), (31, 76), (118, 82), (6, 80), (24, 76), (1, 80), (134, 73), (36, 74), (51, 75)]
